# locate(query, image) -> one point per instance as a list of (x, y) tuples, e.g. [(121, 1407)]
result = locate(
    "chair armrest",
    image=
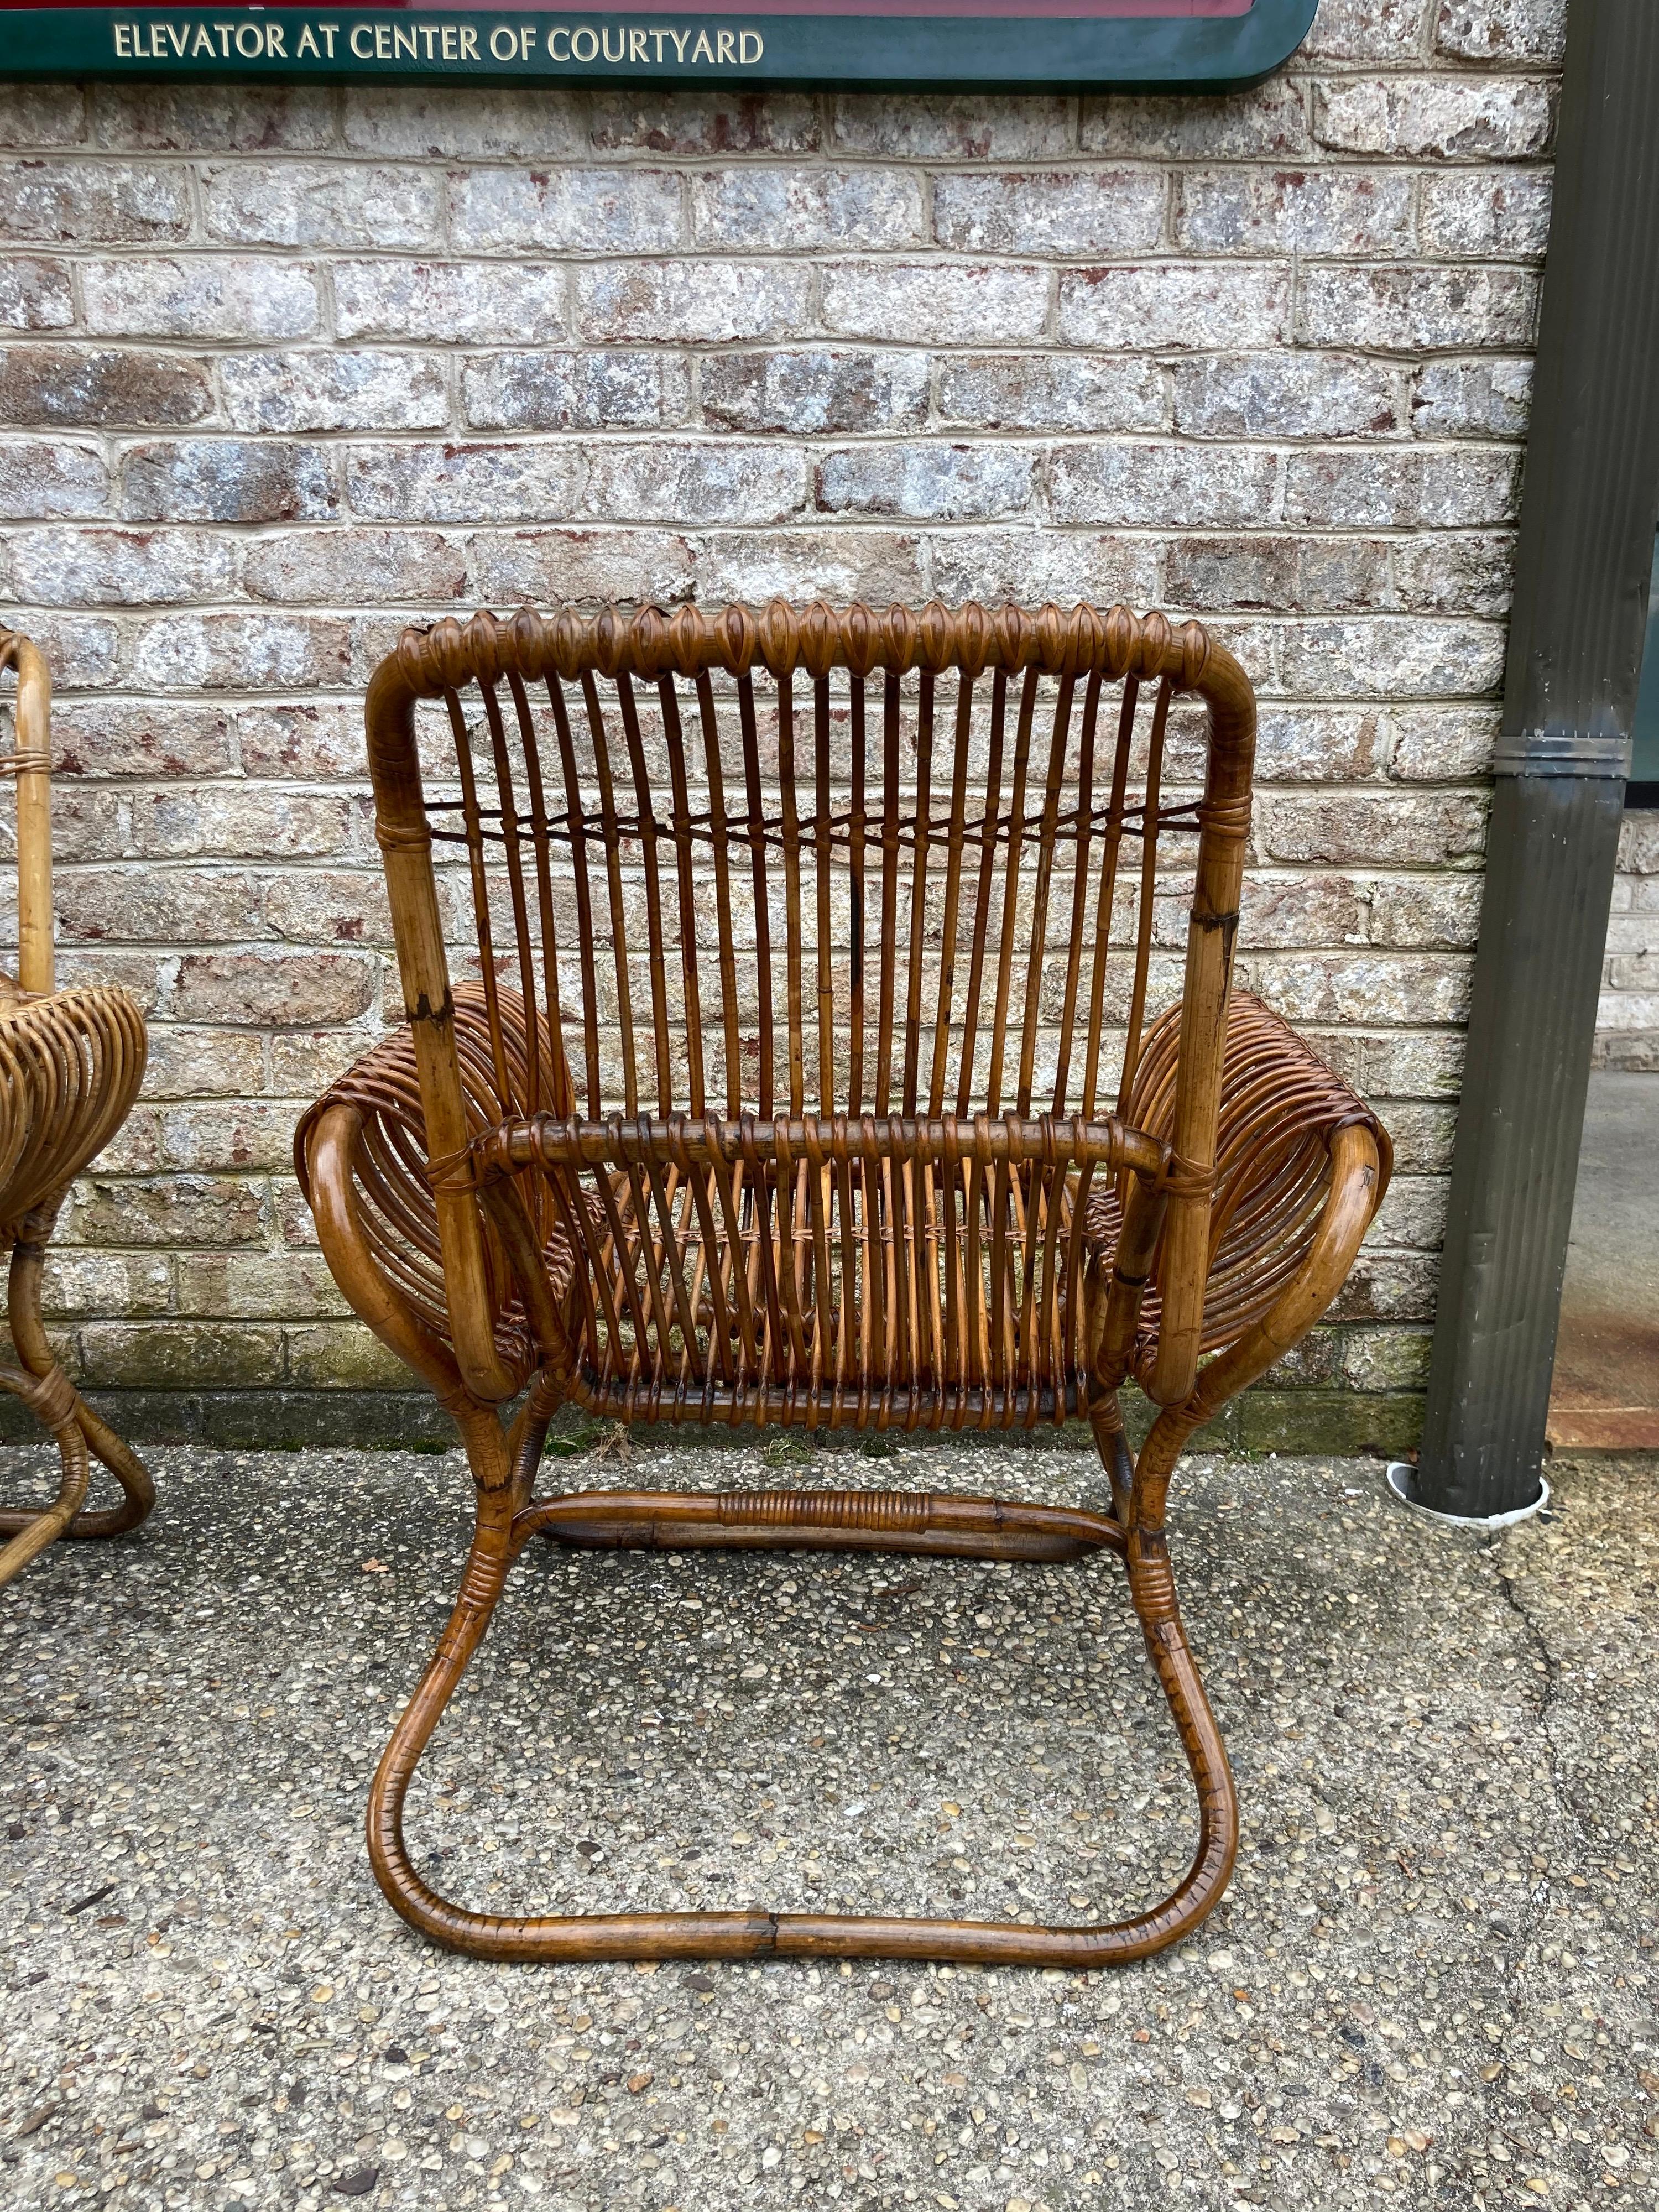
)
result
[(331, 1135), (1278, 1165), (1356, 1191), (361, 1157)]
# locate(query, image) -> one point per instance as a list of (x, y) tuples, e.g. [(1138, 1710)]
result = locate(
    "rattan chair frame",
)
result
[(70, 1065), (863, 1250)]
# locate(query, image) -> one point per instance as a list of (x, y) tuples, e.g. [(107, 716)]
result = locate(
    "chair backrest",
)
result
[(804, 860), (30, 762)]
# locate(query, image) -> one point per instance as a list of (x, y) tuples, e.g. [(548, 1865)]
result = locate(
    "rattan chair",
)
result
[(786, 1078), (70, 1065)]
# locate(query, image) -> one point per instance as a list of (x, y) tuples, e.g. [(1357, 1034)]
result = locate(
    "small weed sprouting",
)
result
[(786, 1450), (575, 1439)]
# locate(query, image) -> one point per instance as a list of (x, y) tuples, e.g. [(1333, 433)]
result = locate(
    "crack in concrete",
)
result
[(1507, 1585), (1522, 1954)]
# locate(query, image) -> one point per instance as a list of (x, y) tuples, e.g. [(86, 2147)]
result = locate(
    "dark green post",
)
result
[(1575, 635)]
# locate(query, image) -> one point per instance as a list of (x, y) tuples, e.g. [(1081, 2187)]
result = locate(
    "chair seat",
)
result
[(70, 1065), (923, 1291), (806, 1289)]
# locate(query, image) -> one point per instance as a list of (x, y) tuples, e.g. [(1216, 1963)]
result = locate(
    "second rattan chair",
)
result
[(70, 1065), (866, 1126)]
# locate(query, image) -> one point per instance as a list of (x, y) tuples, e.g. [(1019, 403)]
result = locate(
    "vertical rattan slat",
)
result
[(912, 1174), (575, 815), (726, 1182), (1032, 1014), (890, 701), (523, 946), (673, 1264), (1148, 887), (610, 838), (656, 939), (823, 890), (1006, 935), (855, 866), (952, 920), (542, 843), (879, 1346), (990, 824), (720, 840), (674, 741), (472, 824), (1111, 843), (921, 839), (1086, 780), (789, 823), (754, 829)]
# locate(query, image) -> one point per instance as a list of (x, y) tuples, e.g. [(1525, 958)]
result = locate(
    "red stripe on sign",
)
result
[(1008, 10)]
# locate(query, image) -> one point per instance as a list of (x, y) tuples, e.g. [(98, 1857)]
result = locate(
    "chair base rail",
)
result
[(913, 1520), (825, 1519), (80, 1436)]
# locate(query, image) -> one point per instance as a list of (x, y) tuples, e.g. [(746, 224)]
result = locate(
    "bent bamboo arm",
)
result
[(1354, 1195), (1144, 1213), (363, 1284)]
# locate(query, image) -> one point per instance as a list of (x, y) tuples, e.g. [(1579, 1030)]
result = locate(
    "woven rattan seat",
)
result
[(843, 1038), (70, 1065)]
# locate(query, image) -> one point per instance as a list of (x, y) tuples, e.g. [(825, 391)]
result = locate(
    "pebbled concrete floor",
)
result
[(1433, 1982)]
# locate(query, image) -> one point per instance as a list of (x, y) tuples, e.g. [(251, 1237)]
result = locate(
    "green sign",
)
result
[(1013, 46)]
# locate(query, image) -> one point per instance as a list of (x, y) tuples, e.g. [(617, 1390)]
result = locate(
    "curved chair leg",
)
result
[(129, 1470), (654, 1522), (55, 1406), (48, 1393)]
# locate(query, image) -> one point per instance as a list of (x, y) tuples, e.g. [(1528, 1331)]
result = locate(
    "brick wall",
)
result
[(1627, 1018), (282, 370)]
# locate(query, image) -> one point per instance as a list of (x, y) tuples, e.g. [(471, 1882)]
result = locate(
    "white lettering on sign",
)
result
[(624, 46)]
